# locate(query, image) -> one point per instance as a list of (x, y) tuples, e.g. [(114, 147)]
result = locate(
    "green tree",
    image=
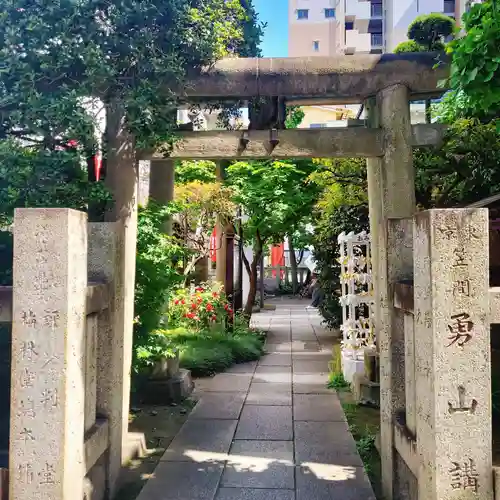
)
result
[(431, 30), (294, 116), (342, 207), (198, 205), (475, 69), (276, 197), (427, 33), (190, 171), (57, 56)]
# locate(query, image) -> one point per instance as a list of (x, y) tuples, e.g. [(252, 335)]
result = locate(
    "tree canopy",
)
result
[(57, 55), (431, 30), (475, 70)]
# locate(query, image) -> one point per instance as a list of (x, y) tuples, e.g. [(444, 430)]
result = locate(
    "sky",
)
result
[(275, 14)]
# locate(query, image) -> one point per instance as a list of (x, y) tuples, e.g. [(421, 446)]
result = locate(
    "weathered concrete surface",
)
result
[(299, 143), (253, 442), (342, 78), (452, 348)]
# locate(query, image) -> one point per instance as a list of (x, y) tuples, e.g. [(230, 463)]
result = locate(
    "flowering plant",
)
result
[(200, 309)]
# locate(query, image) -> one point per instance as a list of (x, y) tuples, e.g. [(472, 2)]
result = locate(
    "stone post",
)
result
[(229, 278), (102, 267), (144, 180), (122, 179), (452, 345), (391, 194), (48, 351), (161, 184), (220, 270)]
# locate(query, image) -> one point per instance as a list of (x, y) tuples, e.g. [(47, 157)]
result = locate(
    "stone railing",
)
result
[(68, 414), (283, 274), (440, 378)]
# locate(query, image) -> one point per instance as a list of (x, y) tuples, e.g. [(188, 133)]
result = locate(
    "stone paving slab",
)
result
[(325, 355), (310, 383), (332, 482), (270, 430), (317, 408), (225, 382), (269, 394), (183, 481), (219, 405), (265, 423), (244, 368), (305, 346), (200, 439), (260, 464), (277, 347), (276, 359), (303, 366), (325, 443), (273, 374), (254, 494)]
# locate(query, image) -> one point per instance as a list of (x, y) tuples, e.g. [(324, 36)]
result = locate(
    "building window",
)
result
[(330, 13), (349, 25), (376, 10), (303, 14), (316, 45), (377, 39), (317, 125), (449, 6)]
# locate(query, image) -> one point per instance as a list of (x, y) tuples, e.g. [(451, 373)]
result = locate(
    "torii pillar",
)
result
[(391, 195), (122, 180), (162, 184)]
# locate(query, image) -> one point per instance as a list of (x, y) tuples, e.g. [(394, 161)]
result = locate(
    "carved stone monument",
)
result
[(48, 350), (452, 346)]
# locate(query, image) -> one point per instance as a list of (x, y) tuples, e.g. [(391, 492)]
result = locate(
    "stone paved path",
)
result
[(269, 430)]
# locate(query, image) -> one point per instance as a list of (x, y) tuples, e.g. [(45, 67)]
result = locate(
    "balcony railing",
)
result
[(377, 40)]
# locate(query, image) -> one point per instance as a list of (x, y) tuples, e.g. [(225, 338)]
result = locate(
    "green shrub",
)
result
[(408, 46), (326, 253), (156, 273), (204, 309), (205, 352), (204, 357), (337, 381), (336, 378)]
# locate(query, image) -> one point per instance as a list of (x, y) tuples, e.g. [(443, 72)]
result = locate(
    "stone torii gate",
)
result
[(385, 84)]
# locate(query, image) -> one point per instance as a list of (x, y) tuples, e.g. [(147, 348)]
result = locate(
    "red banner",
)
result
[(278, 257), (213, 245)]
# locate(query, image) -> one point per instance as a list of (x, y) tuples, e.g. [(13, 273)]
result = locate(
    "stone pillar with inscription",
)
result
[(48, 350), (452, 347), (391, 194)]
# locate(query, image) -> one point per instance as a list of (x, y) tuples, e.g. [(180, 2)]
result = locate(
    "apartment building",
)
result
[(329, 27)]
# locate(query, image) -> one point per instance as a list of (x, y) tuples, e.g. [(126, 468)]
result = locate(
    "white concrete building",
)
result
[(327, 27)]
